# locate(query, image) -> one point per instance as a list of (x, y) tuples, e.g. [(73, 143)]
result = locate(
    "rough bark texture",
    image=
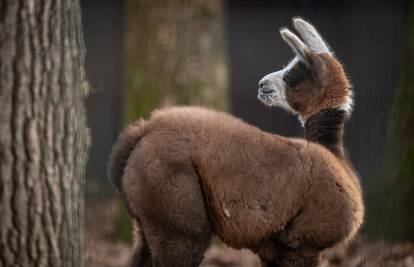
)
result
[(44, 138), (175, 54)]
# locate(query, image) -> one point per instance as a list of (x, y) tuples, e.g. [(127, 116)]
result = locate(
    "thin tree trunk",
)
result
[(43, 134)]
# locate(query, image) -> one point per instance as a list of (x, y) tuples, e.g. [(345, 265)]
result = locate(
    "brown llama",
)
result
[(189, 173)]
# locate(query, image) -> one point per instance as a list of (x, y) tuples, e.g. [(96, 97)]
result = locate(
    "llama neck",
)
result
[(327, 128)]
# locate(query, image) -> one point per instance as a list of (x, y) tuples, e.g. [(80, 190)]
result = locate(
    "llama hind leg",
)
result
[(141, 256), (173, 217), (173, 245), (178, 251)]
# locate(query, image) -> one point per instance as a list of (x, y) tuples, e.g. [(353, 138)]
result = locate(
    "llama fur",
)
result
[(188, 173)]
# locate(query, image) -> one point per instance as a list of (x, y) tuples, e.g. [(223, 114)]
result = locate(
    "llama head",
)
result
[(314, 80)]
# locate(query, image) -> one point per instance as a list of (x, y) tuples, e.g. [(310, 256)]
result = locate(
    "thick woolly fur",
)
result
[(188, 173)]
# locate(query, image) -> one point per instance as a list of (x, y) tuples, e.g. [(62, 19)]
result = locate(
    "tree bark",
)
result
[(44, 139), (390, 210), (175, 54)]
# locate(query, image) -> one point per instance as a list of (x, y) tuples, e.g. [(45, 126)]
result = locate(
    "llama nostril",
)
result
[(264, 87), (262, 84)]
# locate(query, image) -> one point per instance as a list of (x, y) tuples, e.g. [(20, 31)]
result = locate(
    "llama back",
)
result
[(121, 151)]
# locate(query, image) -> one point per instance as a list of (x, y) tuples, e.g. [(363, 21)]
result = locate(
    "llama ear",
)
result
[(319, 70), (311, 36), (301, 50)]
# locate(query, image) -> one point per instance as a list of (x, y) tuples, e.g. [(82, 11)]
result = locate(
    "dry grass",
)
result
[(103, 251)]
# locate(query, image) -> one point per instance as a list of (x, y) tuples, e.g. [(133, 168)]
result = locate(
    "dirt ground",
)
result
[(103, 251)]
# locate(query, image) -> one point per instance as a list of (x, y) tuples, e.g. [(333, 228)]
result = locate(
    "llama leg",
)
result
[(321, 231), (141, 256), (272, 263), (307, 235), (176, 246), (178, 251), (173, 215), (268, 253), (301, 257)]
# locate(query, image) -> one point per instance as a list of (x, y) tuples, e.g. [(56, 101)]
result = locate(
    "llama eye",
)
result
[(293, 77), (296, 75)]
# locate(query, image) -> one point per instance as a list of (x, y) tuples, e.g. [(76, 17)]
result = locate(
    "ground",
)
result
[(102, 249)]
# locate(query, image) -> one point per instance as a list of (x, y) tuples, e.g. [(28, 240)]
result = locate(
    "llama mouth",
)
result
[(266, 91), (267, 99)]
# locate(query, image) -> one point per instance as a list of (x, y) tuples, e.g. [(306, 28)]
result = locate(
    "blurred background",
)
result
[(146, 54)]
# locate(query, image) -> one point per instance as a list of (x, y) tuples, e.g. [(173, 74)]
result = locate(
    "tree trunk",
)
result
[(175, 54), (390, 210), (44, 139)]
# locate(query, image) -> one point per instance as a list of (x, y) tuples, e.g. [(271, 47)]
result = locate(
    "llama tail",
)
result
[(121, 151)]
